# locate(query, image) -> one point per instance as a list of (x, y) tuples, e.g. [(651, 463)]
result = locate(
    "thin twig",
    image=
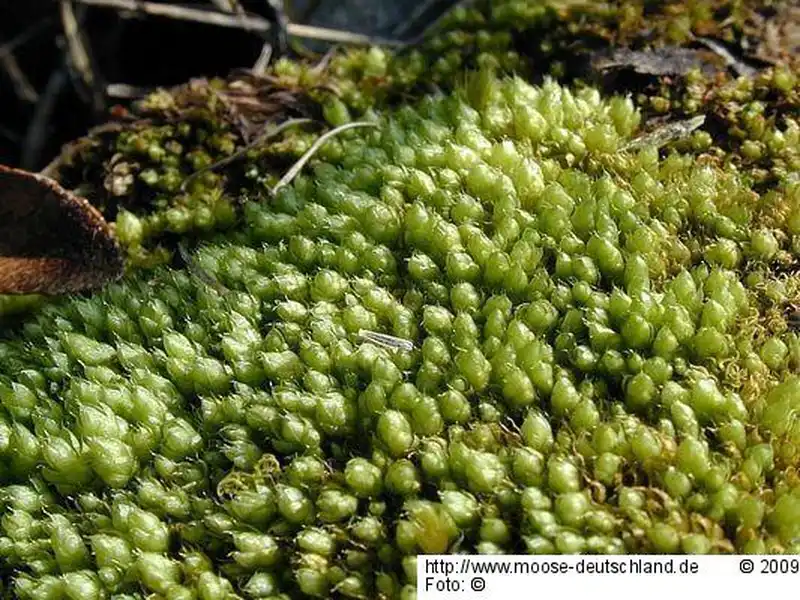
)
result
[(730, 60), (37, 130), (298, 166), (249, 22), (126, 91), (223, 5), (184, 13), (233, 7), (80, 59), (325, 60), (27, 34), (262, 62), (22, 85), (338, 36), (267, 134), (237, 9)]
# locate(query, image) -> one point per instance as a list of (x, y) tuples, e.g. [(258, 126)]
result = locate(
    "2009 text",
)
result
[(783, 566)]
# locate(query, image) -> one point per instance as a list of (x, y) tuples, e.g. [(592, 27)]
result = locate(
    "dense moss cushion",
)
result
[(602, 362)]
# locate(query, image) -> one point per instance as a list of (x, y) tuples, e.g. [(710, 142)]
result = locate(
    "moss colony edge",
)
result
[(602, 360)]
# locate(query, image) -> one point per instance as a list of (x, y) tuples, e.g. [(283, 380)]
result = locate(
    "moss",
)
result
[(487, 323)]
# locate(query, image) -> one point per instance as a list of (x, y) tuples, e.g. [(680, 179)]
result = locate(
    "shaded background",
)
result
[(138, 50)]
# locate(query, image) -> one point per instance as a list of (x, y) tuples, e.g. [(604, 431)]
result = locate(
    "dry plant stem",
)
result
[(22, 86), (26, 35), (260, 66), (234, 7), (730, 60), (298, 166), (222, 5), (228, 6), (184, 13), (80, 59), (267, 134), (247, 22), (126, 91), (325, 60), (337, 36), (37, 130)]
